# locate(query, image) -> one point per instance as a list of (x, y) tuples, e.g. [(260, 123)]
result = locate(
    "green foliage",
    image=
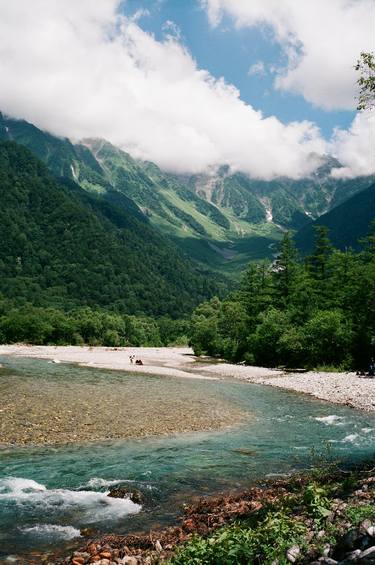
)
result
[(317, 313), (241, 544), (356, 514), (317, 501), (328, 337), (63, 248), (44, 326), (303, 514), (366, 82), (204, 332)]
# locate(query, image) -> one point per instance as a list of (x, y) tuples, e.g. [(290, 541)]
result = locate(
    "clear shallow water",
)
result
[(48, 494)]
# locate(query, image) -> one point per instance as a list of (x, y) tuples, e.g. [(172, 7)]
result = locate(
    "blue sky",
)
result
[(229, 52)]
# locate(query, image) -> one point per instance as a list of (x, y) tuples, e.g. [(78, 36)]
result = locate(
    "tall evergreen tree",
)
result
[(285, 271)]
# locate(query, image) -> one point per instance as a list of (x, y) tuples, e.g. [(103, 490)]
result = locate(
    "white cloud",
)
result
[(172, 31), (356, 147), (322, 40), (257, 68), (80, 69)]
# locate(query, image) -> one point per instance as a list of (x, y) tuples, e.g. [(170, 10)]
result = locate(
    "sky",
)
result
[(265, 86)]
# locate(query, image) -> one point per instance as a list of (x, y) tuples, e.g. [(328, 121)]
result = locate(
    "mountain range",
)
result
[(221, 219)]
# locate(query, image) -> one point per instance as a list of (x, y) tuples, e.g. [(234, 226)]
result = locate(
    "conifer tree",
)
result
[(285, 271)]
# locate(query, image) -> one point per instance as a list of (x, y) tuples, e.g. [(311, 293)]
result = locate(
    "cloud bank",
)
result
[(322, 40), (80, 69), (355, 148)]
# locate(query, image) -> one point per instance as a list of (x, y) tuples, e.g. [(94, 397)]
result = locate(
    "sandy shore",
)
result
[(341, 388)]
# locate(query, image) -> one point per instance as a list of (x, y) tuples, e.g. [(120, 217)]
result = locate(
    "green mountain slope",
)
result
[(221, 220), (347, 223), (62, 246), (210, 234)]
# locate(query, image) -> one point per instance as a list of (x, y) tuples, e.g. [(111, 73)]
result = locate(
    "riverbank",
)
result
[(340, 388), (346, 388), (326, 517)]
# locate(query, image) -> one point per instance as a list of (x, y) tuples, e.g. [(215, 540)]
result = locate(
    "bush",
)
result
[(242, 544)]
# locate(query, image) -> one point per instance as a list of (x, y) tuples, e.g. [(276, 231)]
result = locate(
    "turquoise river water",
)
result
[(48, 493)]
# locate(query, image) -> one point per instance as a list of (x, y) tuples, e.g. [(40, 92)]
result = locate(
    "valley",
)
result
[(187, 282), (221, 220)]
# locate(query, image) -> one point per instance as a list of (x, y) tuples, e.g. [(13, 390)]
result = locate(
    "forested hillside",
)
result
[(348, 223), (63, 247)]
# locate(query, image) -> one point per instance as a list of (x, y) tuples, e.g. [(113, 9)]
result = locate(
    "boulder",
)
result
[(124, 491)]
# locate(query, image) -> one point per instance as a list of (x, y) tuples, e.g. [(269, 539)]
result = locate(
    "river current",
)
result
[(47, 494)]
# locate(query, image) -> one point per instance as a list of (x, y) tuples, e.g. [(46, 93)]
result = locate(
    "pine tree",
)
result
[(285, 270)]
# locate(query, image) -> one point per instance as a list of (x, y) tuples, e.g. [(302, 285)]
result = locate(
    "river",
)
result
[(48, 493)]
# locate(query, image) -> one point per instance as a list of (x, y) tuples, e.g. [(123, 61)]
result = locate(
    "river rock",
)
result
[(353, 555), (351, 539), (92, 548), (88, 533), (364, 526), (293, 553), (124, 491), (81, 555), (158, 546), (130, 560), (368, 553), (326, 550)]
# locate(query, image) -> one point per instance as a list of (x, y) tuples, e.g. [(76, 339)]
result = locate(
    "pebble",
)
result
[(72, 410), (158, 546), (92, 548), (353, 555), (105, 554), (326, 550), (130, 560), (368, 552), (365, 525), (293, 553)]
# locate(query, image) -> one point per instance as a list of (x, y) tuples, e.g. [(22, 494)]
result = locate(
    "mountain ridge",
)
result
[(63, 247), (222, 220)]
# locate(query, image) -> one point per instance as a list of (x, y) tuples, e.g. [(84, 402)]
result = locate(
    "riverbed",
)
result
[(56, 403)]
